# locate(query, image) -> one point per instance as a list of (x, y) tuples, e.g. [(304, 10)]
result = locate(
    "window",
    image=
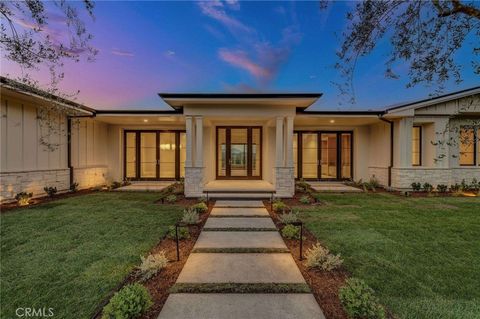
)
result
[(467, 147), (417, 146)]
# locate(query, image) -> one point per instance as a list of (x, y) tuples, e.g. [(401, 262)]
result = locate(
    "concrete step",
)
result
[(240, 268), (240, 211), (239, 222), (239, 239), (239, 203), (241, 306)]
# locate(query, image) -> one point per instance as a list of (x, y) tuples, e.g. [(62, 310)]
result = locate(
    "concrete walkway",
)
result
[(234, 228)]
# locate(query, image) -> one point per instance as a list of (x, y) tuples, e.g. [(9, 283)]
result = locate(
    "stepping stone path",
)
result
[(236, 251)]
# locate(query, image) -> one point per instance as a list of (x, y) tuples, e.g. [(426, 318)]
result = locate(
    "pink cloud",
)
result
[(122, 53), (240, 59)]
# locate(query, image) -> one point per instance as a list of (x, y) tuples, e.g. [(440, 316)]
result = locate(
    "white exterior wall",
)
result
[(379, 152)]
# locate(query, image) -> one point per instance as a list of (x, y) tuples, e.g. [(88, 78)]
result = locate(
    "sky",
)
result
[(228, 47)]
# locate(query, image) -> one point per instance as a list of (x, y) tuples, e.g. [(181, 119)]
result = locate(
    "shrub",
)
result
[(279, 206), (116, 184), (74, 187), (305, 199), (172, 198), (151, 265), (183, 232), (23, 198), (288, 218), (190, 216), (427, 187), (51, 191), (320, 257), (455, 188), (126, 182), (442, 188), (302, 185), (200, 208), (416, 187), (291, 232), (373, 183), (130, 302), (475, 185), (464, 186), (202, 199), (359, 301)]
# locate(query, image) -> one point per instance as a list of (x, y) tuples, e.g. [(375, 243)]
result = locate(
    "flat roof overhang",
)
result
[(300, 101), (140, 117)]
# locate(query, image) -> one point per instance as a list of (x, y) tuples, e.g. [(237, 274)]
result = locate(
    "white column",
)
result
[(199, 141), (189, 133), (404, 138), (279, 143), (289, 141)]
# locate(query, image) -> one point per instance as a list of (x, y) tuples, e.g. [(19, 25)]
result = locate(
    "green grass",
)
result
[(240, 288), (68, 254), (421, 255)]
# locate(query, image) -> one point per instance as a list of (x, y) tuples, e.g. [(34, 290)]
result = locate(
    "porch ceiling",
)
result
[(141, 119), (335, 120)]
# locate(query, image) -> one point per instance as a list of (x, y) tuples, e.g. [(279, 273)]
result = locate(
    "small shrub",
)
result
[(291, 232), (202, 199), (442, 188), (288, 218), (373, 183), (305, 199), (74, 187), (190, 216), (455, 188), (115, 185), (172, 198), (416, 187), (279, 206), (126, 182), (129, 302), (51, 191), (320, 257), (200, 208), (464, 186), (23, 198), (475, 185), (359, 301), (427, 187), (183, 232), (302, 185), (151, 265)]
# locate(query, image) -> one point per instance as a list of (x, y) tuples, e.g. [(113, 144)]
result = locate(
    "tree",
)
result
[(424, 36), (28, 39)]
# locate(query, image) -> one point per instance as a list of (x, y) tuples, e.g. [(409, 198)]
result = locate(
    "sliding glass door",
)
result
[(239, 152), (323, 155), (154, 155)]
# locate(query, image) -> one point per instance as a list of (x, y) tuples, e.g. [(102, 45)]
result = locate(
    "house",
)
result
[(256, 140)]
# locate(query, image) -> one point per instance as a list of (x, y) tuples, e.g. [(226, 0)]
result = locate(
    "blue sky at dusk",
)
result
[(151, 47)]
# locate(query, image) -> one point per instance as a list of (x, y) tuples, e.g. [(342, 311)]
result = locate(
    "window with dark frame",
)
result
[(467, 146), (417, 146)]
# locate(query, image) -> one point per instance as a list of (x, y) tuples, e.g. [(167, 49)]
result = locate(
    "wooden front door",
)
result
[(239, 152)]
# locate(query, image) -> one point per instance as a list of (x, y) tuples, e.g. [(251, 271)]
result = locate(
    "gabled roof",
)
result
[(37, 93), (299, 100), (434, 100)]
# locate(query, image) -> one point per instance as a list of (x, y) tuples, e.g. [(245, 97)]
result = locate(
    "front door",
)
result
[(154, 155), (239, 152), (323, 155)]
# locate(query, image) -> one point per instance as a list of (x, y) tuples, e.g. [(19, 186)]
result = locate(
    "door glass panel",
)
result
[(346, 140), (222, 152), (295, 154), (167, 155), (183, 153), (239, 152), (130, 155), (310, 155), (256, 152), (148, 155), (329, 155)]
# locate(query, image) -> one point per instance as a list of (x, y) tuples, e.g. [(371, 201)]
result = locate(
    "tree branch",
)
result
[(458, 7)]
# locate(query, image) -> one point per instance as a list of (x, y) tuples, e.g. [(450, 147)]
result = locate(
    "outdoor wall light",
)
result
[(332, 121), (145, 120)]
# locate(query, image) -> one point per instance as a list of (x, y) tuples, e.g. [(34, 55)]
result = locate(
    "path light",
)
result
[(145, 120), (332, 121)]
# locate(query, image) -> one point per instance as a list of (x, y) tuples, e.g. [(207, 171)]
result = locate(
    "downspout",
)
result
[(69, 149), (391, 150)]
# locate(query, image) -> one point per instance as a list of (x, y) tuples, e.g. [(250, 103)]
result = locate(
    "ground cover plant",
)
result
[(418, 254), (70, 253)]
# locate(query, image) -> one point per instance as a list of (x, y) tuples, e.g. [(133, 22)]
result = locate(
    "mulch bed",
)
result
[(8, 207), (159, 285), (324, 284)]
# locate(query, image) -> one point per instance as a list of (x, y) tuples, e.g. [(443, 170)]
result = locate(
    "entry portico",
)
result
[(243, 136)]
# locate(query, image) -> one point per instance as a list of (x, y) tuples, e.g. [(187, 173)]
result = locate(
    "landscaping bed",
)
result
[(159, 285), (324, 284)]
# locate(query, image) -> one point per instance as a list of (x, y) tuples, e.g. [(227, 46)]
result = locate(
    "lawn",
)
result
[(421, 255), (68, 254)]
